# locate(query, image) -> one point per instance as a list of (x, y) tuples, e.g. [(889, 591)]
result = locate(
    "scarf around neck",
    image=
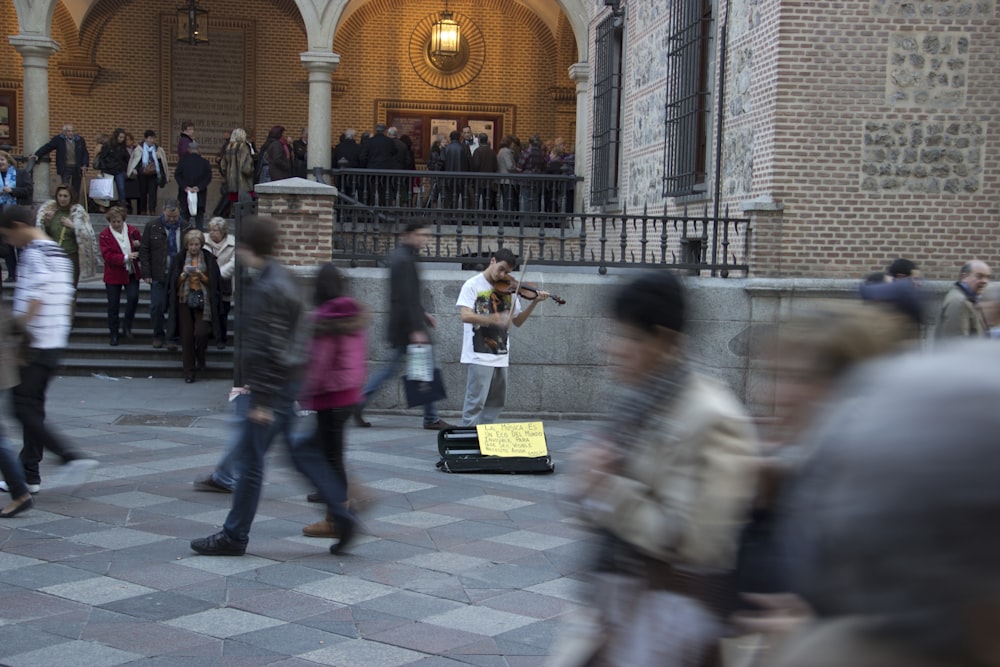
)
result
[(125, 244)]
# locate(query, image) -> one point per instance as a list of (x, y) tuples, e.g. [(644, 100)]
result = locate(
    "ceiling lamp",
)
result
[(445, 35), (192, 23)]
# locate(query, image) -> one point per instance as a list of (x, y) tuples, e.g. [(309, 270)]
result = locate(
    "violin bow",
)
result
[(510, 314)]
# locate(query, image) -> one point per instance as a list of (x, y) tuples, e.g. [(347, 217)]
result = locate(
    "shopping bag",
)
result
[(193, 203), (102, 188), (420, 392), (419, 363)]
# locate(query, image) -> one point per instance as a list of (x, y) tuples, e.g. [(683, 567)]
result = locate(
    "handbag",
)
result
[(421, 392), (196, 299), (149, 169), (102, 188)]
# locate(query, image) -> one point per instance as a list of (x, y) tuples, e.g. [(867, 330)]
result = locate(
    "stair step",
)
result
[(115, 367)]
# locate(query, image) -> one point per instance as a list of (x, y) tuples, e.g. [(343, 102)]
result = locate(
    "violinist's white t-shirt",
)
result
[(485, 345)]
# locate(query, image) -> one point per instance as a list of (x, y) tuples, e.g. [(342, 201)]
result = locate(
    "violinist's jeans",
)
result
[(391, 370), (485, 395)]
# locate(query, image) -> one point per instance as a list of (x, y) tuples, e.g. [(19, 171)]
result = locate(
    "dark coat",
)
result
[(406, 313), (457, 157), (379, 152), (484, 160), (350, 150), (183, 141), (112, 159), (300, 154), (153, 248), (193, 171), (58, 144), (279, 163), (213, 293)]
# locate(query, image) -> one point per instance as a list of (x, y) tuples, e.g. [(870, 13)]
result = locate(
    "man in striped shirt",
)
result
[(43, 302)]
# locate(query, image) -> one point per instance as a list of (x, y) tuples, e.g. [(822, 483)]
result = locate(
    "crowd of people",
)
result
[(462, 152)]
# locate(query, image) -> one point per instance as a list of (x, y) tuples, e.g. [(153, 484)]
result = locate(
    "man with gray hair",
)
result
[(72, 158), (960, 313), (161, 240), (893, 520)]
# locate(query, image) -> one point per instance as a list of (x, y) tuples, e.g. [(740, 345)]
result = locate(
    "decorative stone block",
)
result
[(923, 157), (934, 9), (737, 162), (927, 69), (645, 181), (649, 118)]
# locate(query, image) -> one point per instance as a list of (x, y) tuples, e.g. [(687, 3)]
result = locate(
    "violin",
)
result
[(524, 290)]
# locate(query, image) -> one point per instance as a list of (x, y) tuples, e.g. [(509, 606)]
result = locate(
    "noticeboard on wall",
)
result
[(423, 121), (8, 117)]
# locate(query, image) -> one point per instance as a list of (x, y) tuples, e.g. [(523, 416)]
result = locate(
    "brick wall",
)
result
[(873, 122)]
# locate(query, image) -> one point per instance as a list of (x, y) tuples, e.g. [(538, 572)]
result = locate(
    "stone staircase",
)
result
[(89, 352)]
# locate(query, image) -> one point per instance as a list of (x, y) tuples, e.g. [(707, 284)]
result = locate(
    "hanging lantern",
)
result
[(192, 23), (445, 35)]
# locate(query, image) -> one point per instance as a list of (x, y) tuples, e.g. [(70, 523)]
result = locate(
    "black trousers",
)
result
[(148, 188), (29, 408), (114, 293)]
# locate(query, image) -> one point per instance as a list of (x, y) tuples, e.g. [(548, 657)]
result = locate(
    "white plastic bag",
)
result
[(102, 188), (193, 203), (419, 363)]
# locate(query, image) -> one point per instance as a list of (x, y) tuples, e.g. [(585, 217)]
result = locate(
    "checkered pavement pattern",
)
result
[(450, 569)]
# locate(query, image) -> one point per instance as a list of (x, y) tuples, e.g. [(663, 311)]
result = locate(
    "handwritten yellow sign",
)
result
[(516, 439)]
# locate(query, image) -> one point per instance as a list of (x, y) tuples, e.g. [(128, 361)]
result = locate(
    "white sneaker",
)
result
[(32, 488), (72, 473)]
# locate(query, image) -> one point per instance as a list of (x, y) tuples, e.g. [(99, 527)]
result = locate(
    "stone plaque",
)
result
[(207, 87)]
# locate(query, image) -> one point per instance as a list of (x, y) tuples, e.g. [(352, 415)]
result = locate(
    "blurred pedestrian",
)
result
[(272, 331), (960, 312), (894, 518), (43, 303), (10, 468), (336, 373), (666, 486), (409, 322)]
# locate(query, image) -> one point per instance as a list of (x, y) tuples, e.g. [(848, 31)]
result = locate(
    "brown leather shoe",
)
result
[(438, 425), (322, 528)]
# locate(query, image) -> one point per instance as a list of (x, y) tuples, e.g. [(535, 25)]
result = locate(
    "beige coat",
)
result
[(684, 497), (136, 158), (959, 316)]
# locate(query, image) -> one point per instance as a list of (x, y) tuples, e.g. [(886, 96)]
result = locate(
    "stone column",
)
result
[(580, 72), (35, 53), (320, 65)]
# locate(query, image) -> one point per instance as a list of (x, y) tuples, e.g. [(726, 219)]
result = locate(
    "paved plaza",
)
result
[(451, 569)]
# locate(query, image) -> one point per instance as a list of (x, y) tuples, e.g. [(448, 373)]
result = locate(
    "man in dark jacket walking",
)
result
[(193, 174), (161, 240), (72, 158), (271, 364), (408, 321)]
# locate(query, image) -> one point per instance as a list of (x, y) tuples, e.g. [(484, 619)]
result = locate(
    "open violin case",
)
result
[(459, 450)]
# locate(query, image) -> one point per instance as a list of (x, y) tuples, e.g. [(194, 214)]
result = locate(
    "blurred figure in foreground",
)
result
[(667, 485), (894, 518), (272, 361), (338, 356)]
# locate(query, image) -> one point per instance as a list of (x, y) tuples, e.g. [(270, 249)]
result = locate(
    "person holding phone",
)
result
[(194, 301)]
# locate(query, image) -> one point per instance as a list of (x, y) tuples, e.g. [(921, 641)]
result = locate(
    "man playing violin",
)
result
[(487, 313)]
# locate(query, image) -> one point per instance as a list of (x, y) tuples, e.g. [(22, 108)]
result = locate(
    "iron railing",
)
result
[(693, 241)]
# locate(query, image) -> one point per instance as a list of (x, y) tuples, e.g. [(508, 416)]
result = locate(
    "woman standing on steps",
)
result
[(120, 249), (69, 225), (194, 301)]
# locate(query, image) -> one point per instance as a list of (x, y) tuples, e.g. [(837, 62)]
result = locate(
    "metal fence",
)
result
[(697, 241)]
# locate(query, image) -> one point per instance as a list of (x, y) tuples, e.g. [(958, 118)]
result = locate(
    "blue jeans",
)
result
[(248, 455), (120, 186), (392, 370), (227, 469), (157, 304), (10, 467)]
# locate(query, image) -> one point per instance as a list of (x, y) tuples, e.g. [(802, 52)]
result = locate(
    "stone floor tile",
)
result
[(418, 519), (225, 565), (408, 604), (566, 588), (133, 499), (158, 606), (479, 620), (442, 561), (97, 590), (345, 590), (426, 638), (73, 654), (363, 652), (397, 485), (118, 538), (223, 623), (289, 639), (530, 540), (498, 503)]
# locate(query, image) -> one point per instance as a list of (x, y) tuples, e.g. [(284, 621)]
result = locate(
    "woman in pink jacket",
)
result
[(338, 357)]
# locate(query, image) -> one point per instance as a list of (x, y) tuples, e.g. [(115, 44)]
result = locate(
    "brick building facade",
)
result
[(854, 131)]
